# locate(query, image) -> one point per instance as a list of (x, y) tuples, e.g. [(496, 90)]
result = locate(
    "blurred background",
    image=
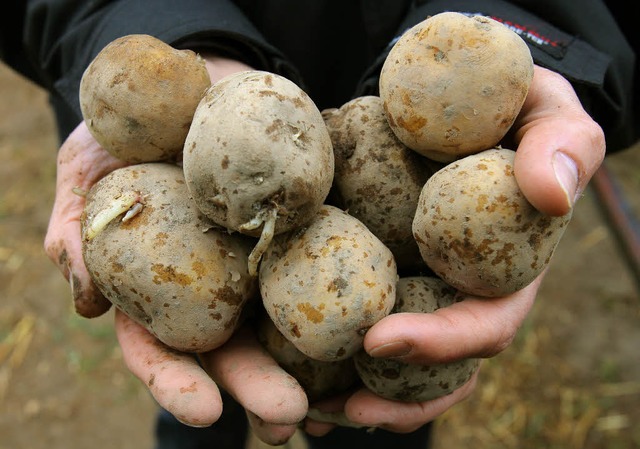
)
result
[(570, 380)]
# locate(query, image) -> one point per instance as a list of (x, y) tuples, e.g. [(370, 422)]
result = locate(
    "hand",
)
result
[(559, 148), (175, 379), (473, 327), (275, 403), (81, 163)]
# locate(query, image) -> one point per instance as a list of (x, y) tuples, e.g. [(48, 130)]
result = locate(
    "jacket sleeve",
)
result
[(61, 37), (579, 40)]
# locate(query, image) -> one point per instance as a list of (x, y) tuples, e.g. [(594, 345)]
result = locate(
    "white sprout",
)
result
[(254, 223), (118, 206), (135, 210), (268, 218)]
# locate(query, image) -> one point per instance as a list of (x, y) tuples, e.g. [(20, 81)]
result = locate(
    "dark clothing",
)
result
[(230, 432), (332, 49)]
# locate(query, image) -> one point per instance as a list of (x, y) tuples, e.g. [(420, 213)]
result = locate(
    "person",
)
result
[(581, 104)]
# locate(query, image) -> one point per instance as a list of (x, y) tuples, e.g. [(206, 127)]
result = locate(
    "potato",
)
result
[(478, 232), (138, 97), (453, 85), (158, 259), (320, 380), (258, 157), (325, 285), (377, 179), (258, 143), (401, 381)]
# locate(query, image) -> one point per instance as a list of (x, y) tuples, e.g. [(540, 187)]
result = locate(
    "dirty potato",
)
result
[(406, 382), (378, 179), (158, 259), (323, 286), (478, 232), (258, 157), (138, 97), (453, 85)]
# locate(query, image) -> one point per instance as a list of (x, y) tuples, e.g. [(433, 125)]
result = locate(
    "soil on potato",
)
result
[(571, 379)]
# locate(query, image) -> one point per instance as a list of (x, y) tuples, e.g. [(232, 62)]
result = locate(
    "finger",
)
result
[(473, 327), (81, 162), (333, 411), (318, 428), (272, 434), (559, 146), (244, 369), (370, 410), (175, 379)]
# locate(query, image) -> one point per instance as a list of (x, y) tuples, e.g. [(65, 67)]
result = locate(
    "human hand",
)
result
[(473, 327), (559, 148), (274, 402)]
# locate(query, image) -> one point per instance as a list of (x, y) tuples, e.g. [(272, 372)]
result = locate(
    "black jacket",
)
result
[(332, 49)]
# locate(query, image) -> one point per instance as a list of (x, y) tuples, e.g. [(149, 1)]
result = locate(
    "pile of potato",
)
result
[(245, 203)]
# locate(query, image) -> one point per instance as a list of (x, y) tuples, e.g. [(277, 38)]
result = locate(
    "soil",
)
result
[(571, 379)]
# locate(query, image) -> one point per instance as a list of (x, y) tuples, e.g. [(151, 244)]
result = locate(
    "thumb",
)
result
[(559, 146)]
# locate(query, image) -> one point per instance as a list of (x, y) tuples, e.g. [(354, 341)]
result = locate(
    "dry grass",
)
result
[(521, 403), (13, 350)]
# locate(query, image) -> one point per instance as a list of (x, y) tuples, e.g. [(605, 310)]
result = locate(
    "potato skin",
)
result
[(453, 85), (325, 285), (258, 142), (138, 97), (405, 382), (320, 380), (377, 179), (166, 268), (477, 231)]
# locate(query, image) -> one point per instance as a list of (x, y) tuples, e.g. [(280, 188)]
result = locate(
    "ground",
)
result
[(571, 379)]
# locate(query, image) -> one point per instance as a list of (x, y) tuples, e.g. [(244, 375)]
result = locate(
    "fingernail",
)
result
[(196, 426), (391, 350), (566, 172)]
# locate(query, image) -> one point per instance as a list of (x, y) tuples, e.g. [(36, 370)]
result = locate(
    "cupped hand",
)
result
[(559, 148), (273, 400), (473, 327)]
